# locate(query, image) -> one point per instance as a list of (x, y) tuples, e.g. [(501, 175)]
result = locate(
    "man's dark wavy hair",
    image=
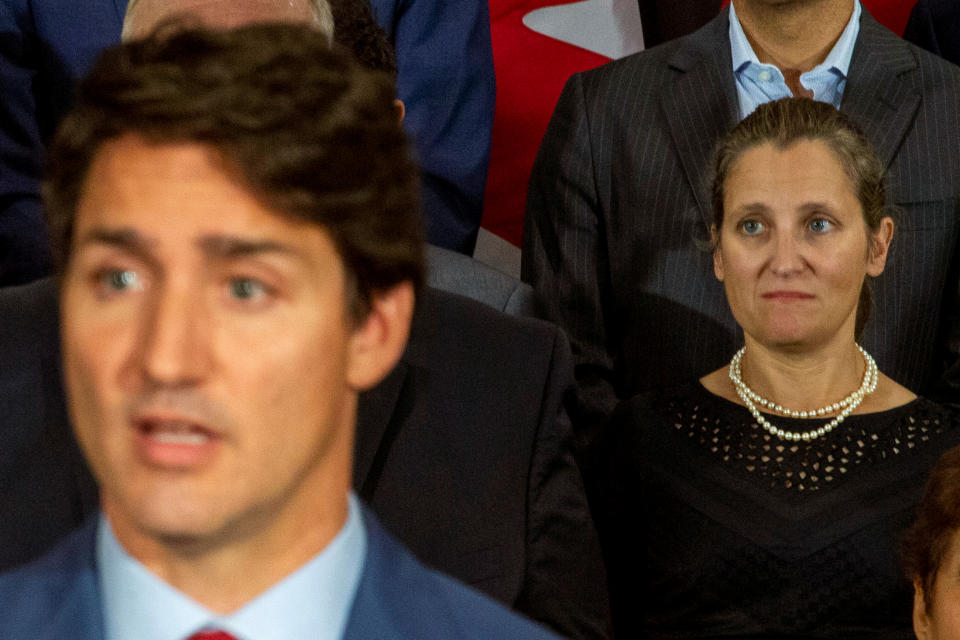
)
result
[(310, 133), (356, 29)]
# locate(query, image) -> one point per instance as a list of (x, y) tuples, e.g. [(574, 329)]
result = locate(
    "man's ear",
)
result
[(921, 617), (401, 109), (879, 247), (717, 256), (380, 338)]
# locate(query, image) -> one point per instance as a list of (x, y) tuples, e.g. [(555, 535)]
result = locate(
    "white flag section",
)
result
[(608, 27)]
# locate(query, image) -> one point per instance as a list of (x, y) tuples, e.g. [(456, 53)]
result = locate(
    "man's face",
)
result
[(211, 364)]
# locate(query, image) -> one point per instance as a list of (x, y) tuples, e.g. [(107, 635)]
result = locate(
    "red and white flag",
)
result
[(537, 45)]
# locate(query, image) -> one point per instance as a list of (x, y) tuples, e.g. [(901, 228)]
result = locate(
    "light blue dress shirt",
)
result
[(311, 603), (758, 83)]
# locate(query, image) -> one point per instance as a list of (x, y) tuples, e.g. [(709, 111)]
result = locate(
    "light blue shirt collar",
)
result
[(758, 82), (311, 603)]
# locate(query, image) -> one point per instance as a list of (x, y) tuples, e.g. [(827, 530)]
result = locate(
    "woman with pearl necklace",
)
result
[(766, 499)]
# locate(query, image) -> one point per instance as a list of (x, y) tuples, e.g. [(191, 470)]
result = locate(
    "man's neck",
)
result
[(230, 573), (793, 36)]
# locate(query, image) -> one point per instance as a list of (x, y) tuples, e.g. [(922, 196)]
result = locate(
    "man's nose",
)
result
[(176, 333)]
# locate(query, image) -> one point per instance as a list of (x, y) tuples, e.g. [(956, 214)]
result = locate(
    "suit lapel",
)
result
[(879, 96), (69, 576), (697, 114), (378, 609)]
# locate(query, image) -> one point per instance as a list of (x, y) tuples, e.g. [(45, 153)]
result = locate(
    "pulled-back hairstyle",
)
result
[(305, 129), (789, 120), (924, 545)]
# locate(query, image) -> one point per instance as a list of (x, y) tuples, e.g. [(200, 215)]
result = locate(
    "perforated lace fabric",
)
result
[(712, 528), (729, 432)]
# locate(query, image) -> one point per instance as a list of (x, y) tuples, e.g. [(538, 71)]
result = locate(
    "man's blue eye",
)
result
[(246, 289), (752, 227), (121, 279), (819, 225)]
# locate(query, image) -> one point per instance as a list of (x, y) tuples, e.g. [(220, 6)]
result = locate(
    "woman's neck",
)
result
[(803, 380)]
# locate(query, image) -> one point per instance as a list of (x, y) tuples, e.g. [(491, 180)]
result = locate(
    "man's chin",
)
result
[(168, 522)]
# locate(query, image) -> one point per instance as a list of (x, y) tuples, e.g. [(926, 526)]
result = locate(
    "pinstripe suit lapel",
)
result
[(880, 96), (701, 103)]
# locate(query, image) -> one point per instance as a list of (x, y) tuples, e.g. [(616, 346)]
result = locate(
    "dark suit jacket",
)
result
[(618, 212), (935, 26), (58, 597), (445, 79), (462, 451), (45, 45)]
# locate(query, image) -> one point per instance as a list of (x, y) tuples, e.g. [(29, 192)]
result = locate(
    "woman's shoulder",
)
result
[(929, 413), (659, 400), (648, 416)]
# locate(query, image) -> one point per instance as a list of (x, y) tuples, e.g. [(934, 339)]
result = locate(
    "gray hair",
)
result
[(319, 9)]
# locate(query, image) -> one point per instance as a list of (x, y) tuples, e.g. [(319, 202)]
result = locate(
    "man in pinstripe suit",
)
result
[(618, 212)]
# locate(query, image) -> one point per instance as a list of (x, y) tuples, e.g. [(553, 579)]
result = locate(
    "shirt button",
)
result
[(764, 76)]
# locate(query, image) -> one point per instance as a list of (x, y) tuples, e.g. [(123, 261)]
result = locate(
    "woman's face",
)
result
[(942, 620), (794, 249)]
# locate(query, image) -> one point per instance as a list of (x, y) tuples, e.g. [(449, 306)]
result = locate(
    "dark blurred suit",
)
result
[(664, 20), (935, 26), (618, 212), (445, 78), (463, 452), (45, 45)]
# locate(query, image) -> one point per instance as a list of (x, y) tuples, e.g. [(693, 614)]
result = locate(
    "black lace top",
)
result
[(713, 528)]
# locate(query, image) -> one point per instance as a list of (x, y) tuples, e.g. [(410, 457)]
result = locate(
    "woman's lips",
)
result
[(788, 295)]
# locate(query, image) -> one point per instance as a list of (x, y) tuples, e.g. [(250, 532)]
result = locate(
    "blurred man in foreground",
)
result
[(235, 217)]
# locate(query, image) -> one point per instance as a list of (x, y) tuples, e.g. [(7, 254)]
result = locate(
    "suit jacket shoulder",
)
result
[(648, 70), (57, 596), (45, 488), (400, 598), (471, 424)]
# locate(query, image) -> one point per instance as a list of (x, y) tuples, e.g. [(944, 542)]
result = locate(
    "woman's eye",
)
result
[(247, 289), (751, 227), (819, 225)]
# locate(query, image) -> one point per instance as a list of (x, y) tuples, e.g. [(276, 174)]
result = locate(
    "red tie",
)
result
[(211, 635)]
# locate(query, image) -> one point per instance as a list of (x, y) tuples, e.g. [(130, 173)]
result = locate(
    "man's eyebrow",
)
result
[(122, 238), (226, 247)]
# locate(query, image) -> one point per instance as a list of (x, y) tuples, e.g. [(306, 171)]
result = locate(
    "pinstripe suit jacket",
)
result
[(618, 212)]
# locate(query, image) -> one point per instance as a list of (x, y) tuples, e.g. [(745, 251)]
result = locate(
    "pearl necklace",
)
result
[(845, 406)]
